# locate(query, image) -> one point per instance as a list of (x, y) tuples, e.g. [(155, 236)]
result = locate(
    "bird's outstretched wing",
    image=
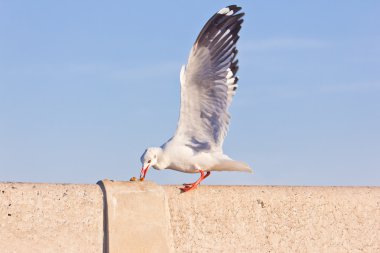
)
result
[(208, 82)]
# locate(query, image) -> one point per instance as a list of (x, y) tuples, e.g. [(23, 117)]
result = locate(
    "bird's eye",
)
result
[(149, 161)]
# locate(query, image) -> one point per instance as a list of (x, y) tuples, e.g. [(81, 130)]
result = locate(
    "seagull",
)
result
[(208, 84)]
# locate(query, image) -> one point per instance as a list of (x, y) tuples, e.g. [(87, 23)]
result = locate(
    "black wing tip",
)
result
[(227, 10), (231, 10), (220, 18), (234, 67)]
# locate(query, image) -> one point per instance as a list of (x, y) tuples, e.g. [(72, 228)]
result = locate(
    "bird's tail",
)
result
[(231, 165)]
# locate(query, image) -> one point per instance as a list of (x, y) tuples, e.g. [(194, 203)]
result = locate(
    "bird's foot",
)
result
[(188, 187)]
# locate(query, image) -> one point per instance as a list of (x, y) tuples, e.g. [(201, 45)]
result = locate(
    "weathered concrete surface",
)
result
[(138, 217), (50, 218), (275, 219), (69, 218)]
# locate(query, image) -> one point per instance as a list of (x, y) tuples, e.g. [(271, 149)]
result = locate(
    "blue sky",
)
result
[(86, 86)]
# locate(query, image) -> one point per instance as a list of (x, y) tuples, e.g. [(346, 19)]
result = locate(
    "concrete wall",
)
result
[(69, 218), (50, 218), (275, 219)]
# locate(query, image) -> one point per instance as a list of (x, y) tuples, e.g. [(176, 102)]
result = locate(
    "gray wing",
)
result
[(208, 82)]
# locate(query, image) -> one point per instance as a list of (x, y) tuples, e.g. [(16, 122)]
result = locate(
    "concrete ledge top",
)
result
[(69, 218)]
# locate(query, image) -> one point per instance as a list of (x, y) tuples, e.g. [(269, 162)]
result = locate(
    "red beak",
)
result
[(144, 171)]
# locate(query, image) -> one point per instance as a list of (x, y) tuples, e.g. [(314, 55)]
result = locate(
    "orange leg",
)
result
[(194, 185)]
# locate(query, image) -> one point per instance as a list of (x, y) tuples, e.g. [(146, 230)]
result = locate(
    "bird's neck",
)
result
[(163, 161)]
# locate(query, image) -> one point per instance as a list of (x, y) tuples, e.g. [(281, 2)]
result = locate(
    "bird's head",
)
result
[(148, 159)]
